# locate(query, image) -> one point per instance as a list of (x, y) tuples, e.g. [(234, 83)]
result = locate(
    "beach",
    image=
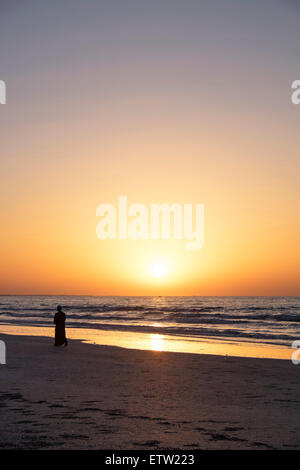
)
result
[(104, 397)]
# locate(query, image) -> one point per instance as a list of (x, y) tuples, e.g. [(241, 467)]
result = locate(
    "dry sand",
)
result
[(103, 397)]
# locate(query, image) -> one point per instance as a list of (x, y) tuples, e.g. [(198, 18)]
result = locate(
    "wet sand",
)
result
[(103, 397)]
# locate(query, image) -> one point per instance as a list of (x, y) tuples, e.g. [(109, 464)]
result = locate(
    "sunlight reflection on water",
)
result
[(158, 342)]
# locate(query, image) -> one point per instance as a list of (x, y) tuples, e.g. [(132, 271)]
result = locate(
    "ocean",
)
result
[(274, 320)]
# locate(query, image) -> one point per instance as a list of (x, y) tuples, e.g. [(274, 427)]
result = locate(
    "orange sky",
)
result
[(162, 117)]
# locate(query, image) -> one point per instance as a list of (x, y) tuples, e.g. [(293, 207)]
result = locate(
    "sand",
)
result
[(104, 397)]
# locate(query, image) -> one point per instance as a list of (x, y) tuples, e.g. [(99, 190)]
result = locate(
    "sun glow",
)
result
[(159, 268)]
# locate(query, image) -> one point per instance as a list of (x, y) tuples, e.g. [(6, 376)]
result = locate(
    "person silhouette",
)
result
[(60, 332)]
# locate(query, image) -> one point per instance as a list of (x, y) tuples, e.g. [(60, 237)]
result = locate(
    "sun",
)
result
[(159, 268)]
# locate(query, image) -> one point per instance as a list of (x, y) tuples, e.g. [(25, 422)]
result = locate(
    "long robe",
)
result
[(60, 332)]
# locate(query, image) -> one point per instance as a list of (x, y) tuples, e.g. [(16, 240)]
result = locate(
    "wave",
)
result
[(260, 319), (182, 316), (276, 338)]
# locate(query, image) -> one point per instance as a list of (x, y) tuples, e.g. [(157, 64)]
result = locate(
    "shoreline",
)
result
[(89, 396), (159, 342)]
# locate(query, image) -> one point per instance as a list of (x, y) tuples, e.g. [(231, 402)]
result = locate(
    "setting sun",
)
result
[(159, 268)]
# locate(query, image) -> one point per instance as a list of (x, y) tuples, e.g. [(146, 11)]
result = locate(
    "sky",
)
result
[(165, 102)]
